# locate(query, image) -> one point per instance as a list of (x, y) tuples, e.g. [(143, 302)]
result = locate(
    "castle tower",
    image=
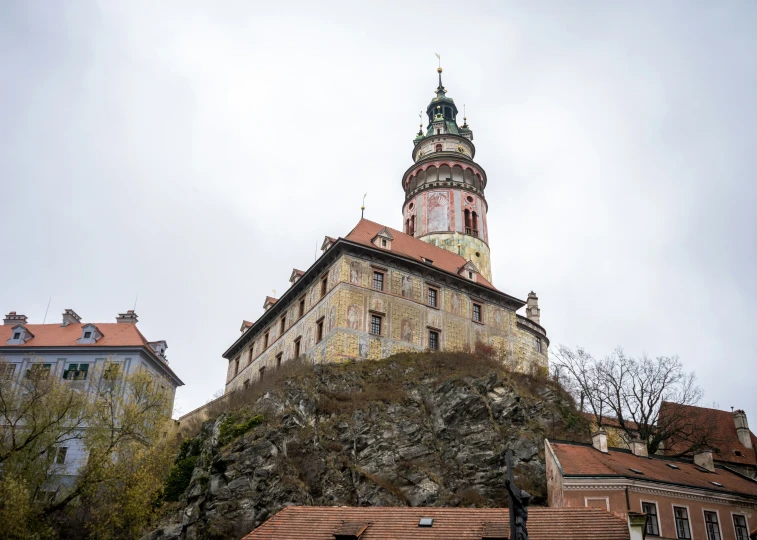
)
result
[(444, 189)]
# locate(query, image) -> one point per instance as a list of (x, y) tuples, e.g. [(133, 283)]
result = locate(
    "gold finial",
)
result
[(438, 70)]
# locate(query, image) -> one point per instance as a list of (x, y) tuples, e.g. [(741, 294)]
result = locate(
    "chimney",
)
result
[(599, 440), (70, 317), (704, 459), (532, 308), (742, 428), (11, 318), (638, 447), (127, 318)]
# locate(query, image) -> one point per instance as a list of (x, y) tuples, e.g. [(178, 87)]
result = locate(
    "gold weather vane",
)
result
[(440, 59), (274, 293), (362, 208)]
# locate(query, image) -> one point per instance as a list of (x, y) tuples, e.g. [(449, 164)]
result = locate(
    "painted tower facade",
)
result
[(444, 189)]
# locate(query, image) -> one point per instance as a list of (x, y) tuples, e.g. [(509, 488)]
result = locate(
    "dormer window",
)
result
[(19, 335), (383, 239), (90, 334)]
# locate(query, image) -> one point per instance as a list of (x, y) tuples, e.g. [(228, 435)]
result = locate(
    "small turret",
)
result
[(532, 308)]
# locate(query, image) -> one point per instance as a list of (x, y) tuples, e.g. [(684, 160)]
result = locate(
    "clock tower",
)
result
[(444, 189)]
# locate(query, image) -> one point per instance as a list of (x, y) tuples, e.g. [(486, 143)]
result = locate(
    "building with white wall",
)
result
[(73, 351)]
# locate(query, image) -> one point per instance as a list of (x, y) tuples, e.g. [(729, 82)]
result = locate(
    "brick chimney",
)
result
[(127, 318), (532, 308), (704, 459), (742, 428), (599, 440), (70, 317), (638, 447), (11, 318)]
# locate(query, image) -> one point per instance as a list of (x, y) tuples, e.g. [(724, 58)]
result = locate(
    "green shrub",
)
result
[(232, 427), (178, 478)]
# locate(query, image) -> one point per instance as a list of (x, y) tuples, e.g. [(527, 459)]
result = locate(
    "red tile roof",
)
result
[(55, 335), (725, 441), (584, 460), (411, 247), (401, 523)]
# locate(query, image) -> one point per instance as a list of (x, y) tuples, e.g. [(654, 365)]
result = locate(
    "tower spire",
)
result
[(439, 71)]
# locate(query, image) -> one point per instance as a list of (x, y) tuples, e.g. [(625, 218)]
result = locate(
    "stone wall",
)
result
[(346, 311)]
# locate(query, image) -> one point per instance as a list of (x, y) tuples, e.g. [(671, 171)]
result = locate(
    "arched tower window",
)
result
[(438, 147), (412, 225), (467, 221), (407, 226), (475, 224)]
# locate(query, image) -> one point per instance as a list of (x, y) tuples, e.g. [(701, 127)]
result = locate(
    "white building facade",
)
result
[(74, 351)]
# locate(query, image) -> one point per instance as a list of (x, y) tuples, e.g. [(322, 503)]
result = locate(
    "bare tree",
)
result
[(629, 393)]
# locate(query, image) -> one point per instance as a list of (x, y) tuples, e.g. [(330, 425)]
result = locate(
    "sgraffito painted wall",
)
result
[(346, 311)]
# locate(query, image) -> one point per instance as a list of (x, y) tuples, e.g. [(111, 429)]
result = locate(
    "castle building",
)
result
[(378, 291)]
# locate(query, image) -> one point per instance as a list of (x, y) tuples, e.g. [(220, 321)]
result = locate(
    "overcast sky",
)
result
[(193, 153)]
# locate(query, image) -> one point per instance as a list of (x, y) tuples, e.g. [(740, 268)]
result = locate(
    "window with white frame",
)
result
[(60, 455), (712, 525), (76, 372), (739, 525), (7, 371), (683, 529), (653, 523)]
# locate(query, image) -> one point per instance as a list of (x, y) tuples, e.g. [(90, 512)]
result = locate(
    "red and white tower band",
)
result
[(444, 189)]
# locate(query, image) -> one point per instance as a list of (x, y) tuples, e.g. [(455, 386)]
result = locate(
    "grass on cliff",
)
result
[(386, 381)]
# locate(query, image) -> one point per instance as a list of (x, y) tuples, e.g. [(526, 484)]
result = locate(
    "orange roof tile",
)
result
[(725, 440), (584, 460), (399, 523), (409, 246), (55, 335)]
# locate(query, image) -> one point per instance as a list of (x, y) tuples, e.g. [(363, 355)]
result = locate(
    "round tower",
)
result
[(444, 189)]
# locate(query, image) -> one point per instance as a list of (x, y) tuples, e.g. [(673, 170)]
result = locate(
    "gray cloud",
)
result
[(194, 154)]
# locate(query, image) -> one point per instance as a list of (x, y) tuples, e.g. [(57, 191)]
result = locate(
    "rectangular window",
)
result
[(76, 372), (7, 371), (17, 335), (265, 341), (39, 370), (324, 286), (683, 531), (297, 347), (283, 324), (653, 524), (383, 242), (433, 340), (739, 523), (432, 297), (538, 344), (302, 306), (236, 367), (278, 360), (261, 373), (375, 325), (112, 371), (60, 455), (712, 525), (477, 312), (87, 335), (378, 281), (319, 331)]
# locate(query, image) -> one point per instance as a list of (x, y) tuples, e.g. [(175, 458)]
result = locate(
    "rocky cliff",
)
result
[(413, 429)]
